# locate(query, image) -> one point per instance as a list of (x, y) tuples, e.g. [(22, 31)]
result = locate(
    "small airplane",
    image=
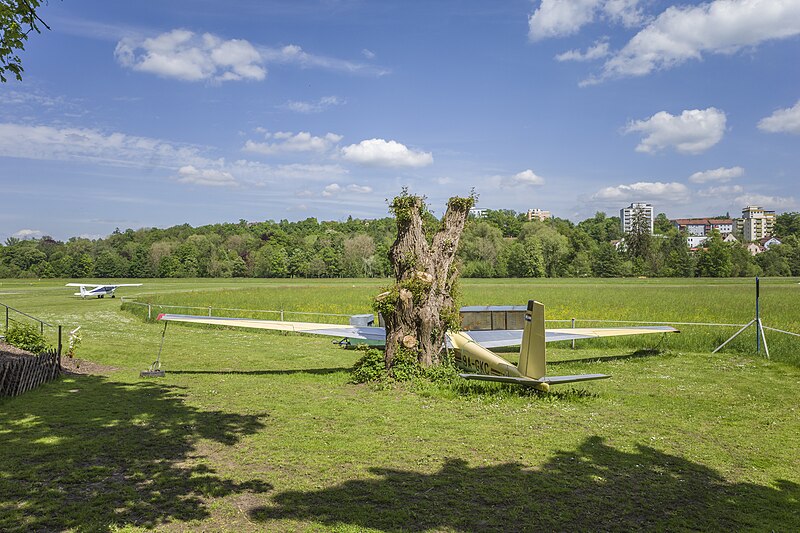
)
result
[(99, 290), (470, 348)]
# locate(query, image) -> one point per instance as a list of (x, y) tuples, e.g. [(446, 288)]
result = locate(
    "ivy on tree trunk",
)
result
[(419, 308)]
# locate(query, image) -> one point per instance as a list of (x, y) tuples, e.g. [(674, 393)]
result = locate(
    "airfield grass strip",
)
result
[(257, 431)]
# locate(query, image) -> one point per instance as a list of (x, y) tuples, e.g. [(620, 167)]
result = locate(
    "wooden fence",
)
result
[(21, 373)]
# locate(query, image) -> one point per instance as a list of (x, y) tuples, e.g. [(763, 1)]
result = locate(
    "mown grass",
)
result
[(254, 430), (591, 302)]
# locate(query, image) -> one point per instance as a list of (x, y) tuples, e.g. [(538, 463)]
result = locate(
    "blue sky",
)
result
[(150, 113)]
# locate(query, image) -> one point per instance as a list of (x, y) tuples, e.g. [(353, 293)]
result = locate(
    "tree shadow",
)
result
[(594, 487), (638, 354), (313, 371), (88, 453)]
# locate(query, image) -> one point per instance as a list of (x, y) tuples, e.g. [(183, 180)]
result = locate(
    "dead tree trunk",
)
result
[(419, 308)]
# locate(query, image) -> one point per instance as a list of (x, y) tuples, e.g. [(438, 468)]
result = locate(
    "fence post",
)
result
[(573, 327), (281, 315), (209, 310), (6, 318), (59, 345), (149, 312)]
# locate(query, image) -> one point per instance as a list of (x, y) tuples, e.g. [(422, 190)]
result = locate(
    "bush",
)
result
[(370, 368), (27, 338)]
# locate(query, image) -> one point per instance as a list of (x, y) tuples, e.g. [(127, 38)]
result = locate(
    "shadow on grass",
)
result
[(594, 487), (315, 371), (88, 453), (638, 354)]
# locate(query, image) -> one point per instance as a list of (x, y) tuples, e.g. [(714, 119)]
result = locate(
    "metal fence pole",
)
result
[(209, 310), (573, 327)]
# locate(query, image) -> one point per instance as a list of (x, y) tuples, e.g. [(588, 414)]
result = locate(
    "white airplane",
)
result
[(99, 290), (470, 348)]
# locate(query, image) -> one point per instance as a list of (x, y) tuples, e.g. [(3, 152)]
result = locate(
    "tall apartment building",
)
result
[(538, 214), (628, 215), (756, 223)]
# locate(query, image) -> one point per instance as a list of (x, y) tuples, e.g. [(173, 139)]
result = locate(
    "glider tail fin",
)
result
[(532, 350)]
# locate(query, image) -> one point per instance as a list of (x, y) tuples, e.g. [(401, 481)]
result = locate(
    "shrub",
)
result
[(371, 367), (26, 337)]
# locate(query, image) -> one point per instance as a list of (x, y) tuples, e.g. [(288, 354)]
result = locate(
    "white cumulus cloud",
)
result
[(596, 51), (379, 152), (207, 176), (721, 174), (334, 189), (721, 191), (527, 177), (184, 55), (359, 189), (559, 18), (331, 190), (286, 142), (782, 121), (644, 191), (767, 202), (692, 132), (82, 144), (318, 106), (28, 234), (684, 33)]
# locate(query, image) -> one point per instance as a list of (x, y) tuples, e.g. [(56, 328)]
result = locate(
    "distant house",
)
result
[(729, 238), (538, 214), (754, 248), (476, 212), (695, 241), (768, 242)]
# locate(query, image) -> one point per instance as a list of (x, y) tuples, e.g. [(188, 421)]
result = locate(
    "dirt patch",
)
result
[(73, 365), (68, 365)]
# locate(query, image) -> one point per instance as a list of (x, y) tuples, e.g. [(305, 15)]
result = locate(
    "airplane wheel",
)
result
[(113, 296)]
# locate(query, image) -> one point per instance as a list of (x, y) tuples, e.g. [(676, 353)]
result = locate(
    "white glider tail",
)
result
[(470, 347)]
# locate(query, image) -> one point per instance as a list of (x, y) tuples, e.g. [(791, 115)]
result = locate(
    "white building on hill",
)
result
[(628, 216)]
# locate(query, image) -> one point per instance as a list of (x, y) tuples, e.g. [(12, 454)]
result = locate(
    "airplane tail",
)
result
[(532, 350)]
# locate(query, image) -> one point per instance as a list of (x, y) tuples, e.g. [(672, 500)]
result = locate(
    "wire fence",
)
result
[(13, 316), (210, 310), (699, 340)]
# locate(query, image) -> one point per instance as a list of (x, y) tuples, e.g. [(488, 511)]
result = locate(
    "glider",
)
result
[(99, 290), (470, 348)]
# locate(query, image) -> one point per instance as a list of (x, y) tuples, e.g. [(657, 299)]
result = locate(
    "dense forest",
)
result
[(503, 244)]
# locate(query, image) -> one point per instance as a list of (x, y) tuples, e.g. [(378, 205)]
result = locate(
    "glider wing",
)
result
[(332, 330)]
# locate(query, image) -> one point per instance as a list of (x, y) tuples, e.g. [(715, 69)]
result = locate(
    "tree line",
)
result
[(502, 244)]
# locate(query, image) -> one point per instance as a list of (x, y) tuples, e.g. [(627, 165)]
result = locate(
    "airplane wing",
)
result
[(513, 337), (124, 285), (530, 382), (332, 330), (81, 285), (487, 338)]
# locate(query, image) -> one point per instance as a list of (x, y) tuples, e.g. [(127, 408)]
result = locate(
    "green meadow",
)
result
[(258, 430)]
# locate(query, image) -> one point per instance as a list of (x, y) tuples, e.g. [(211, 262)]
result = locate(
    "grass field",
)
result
[(254, 430)]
